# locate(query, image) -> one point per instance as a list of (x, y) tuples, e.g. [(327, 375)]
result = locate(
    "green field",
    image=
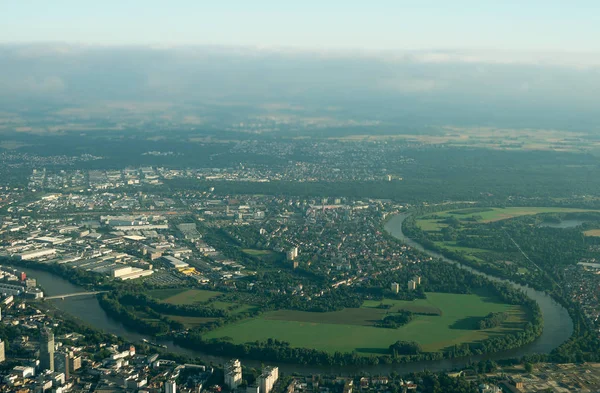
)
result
[(162, 294), (183, 295), (351, 329), (191, 322), (234, 308), (427, 223), (256, 253)]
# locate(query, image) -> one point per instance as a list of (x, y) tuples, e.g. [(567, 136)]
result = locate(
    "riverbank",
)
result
[(89, 311), (558, 325)]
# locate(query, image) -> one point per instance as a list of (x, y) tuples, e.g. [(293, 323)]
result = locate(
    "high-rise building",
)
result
[(395, 287), (268, 378), (46, 349), (2, 354), (74, 363), (292, 253), (62, 363), (412, 285), (170, 387), (233, 374)]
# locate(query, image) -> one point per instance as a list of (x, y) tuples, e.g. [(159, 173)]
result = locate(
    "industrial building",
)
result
[(44, 252), (175, 262)]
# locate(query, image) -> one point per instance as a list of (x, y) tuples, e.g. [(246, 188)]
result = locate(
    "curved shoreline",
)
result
[(551, 337), (558, 325)]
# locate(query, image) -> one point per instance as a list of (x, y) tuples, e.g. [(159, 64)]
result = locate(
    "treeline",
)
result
[(281, 351), (405, 348), (332, 300), (555, 253), (138, 300), (492, 320), (154, 323), (395, 321)]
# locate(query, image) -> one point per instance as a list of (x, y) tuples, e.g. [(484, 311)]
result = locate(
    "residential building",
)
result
[(395, 287), (268, 378), (412, 285), (233, 374)]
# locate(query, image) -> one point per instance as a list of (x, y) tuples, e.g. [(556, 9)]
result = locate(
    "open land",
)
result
[(592, 232), (183, 295), (254, 252), (485, 215), (352, 330), (493, 138)]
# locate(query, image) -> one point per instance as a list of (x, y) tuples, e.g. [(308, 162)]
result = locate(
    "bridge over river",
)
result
[(67, 295)]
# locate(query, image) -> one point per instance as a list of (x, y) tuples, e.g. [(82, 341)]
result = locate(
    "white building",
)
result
[(292, 253), (176, 263), (27, 256), (233, 374), (268, 378), (395, 287), (412, 285), (485, 388)]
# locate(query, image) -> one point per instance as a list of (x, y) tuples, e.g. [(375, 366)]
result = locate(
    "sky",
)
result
[(380, 25)]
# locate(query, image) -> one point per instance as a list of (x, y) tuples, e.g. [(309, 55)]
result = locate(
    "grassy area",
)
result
[(351, 329), (162, 294), (183, 295), (190, 322), (485, 215), (234, 308), (256, 253), (415, 306), (502, 214), (431, 225)]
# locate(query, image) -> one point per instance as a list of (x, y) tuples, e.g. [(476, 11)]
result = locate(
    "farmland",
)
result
[(592, 232), (435, 221), (352, 330)]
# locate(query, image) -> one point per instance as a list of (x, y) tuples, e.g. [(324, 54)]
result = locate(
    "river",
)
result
[(557, 324)]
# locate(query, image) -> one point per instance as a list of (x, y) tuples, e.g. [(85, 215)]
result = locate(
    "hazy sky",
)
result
[(537, 25)]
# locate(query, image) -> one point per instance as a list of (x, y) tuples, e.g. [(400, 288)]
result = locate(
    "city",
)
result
[(299, 196)]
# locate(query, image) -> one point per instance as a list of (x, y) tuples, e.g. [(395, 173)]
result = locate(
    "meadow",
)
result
[(183, 295), (256, 253), (201, 297), (485, 215), (352, 330)]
